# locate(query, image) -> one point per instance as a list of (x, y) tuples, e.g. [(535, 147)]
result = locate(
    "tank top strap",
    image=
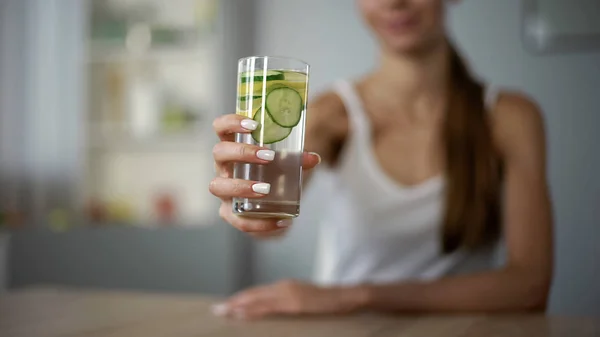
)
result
[(491, 96), (354, 108)]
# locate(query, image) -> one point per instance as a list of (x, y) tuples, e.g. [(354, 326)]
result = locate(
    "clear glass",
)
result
[(273, 91)]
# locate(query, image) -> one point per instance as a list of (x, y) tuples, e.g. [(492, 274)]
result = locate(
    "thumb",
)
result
[(310, 160)]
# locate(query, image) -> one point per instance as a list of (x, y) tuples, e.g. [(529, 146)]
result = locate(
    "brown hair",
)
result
[(473, 165)]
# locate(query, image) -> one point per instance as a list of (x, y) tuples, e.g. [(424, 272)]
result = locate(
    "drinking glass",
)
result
[(273, 92)]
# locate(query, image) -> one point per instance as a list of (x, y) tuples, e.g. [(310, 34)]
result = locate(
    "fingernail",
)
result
[(266, 154), (262, 188), (318, 156), (284, 223), (249, 124), (219, 309)]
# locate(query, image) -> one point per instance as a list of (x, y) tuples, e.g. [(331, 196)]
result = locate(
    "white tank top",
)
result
[(376, 230)]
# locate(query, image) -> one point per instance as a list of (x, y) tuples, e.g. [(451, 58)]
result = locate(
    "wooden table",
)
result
[(72, 313)]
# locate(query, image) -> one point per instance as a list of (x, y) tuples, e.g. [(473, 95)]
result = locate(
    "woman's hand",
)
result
[(290, 298), (223, 186)]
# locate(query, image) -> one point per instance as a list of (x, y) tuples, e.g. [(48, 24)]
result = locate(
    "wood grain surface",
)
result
[(58, 312)]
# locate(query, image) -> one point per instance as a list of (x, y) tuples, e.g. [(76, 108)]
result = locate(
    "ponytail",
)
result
[(473, 166)]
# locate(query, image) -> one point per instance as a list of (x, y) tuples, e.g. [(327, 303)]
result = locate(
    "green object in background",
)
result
[(112, 30), (58, 220), (177, 118), (173, 119), (165, 36)]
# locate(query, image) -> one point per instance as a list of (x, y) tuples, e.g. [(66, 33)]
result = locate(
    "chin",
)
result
[(407, 45), (411, 44)]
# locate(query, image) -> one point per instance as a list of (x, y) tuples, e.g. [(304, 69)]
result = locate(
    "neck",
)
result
[(418, 74)]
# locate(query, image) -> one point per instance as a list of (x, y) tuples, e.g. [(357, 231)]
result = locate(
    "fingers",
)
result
[(275, 234), (238, 188), (224, 152), (250, 312), (250, 225), (250, 304), (227, 126), (251, 296), (310, 160), (256, 311)]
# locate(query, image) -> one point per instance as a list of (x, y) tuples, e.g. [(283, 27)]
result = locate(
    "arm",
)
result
[(523, 284), (326, 129)]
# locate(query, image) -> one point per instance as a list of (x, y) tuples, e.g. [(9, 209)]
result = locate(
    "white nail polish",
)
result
[(284, 223), (249, 124), (318, 156), (219, 309), (262, 188), (266, 154)]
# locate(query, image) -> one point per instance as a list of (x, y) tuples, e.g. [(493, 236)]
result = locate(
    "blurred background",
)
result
[(105, 133)]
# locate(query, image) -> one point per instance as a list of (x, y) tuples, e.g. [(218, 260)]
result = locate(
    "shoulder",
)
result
[(327, 110), (517, 123), (326, 126), (329, 101), (515, 108)]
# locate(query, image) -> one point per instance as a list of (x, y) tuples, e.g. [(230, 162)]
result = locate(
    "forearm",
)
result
[(501, 290)]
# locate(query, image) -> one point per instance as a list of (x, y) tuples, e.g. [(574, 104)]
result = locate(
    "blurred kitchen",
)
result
[(105, 135), (107, 109)]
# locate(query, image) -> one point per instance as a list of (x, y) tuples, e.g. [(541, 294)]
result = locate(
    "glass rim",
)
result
[(286, 58)]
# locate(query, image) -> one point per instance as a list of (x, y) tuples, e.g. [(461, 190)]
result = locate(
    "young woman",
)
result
[(431, 169)]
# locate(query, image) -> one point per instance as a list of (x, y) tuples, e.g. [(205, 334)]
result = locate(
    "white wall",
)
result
[(332, 40), (326, 34), (567, 87)]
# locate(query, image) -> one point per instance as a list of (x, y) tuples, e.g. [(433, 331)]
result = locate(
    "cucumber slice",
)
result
[(285, 106), (268, 132), (248, 98), (272, 75), (300, 87), (256, 89), (249, 102), (295, 76)]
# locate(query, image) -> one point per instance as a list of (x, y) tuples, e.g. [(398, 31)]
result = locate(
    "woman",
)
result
[(431, 168)]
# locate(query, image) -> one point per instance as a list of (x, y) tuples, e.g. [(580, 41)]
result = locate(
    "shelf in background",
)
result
[(193, 142), (121, 55), (117, 137)]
